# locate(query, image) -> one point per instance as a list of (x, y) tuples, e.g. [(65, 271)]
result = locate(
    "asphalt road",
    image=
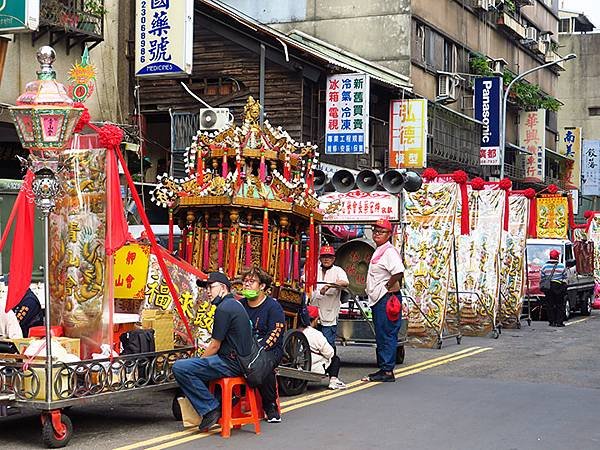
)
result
[(534, 388)]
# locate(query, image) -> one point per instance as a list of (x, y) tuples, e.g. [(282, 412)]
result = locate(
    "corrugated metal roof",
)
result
[(316, 48)]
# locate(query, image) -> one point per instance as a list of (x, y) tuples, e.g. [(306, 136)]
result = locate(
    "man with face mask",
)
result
[(232, 334), (268, 320)]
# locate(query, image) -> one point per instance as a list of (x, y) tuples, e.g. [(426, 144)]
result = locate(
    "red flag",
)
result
[(116, 226), (21, 256)]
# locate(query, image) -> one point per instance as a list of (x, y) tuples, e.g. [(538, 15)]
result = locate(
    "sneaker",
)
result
[(336, 383), (210, 418), (273, 414)]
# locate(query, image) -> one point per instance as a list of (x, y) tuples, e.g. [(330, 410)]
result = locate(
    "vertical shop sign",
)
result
[(164, 37), (408, 133), (532, 136), (570, 148), (487, 110), (19, 15), (590, 168), (347, 118)]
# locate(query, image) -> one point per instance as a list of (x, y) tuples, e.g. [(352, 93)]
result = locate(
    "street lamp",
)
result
[(505, 100)]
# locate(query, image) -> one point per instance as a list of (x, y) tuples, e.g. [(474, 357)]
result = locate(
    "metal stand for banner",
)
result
[(441, 335), (527, 298)]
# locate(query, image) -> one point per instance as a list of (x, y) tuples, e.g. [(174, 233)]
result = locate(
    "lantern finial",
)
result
[(46, 57)]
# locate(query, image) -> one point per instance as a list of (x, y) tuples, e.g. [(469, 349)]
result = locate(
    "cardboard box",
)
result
[(72, 345), (32, 382), (162, 324), (23, 343)]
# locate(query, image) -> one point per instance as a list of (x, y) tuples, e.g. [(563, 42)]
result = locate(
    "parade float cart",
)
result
[(73, 179), (248, 201), (355, 325)]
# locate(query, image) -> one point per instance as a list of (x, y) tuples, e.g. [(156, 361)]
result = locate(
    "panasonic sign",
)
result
[(487, 110)]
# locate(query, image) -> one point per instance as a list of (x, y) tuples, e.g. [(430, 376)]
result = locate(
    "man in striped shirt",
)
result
[(555, 272)]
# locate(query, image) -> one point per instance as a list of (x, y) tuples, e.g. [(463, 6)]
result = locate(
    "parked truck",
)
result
[(580, 279)]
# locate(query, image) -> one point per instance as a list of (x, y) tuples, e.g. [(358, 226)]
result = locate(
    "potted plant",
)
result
[(93, 14), (95, 7)]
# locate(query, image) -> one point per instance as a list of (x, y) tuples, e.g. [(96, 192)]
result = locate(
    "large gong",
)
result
[(354, 257)]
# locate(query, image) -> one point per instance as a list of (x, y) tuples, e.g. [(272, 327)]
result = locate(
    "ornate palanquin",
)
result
[(248, 200)]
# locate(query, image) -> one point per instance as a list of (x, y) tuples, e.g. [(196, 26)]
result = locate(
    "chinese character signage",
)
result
[(532, 137), (347, 117), (487, 110), (131, 271), (552, 216), (164, 37), (570, 148), (408, 133), (19, 15), (357, 206), (590, 168)]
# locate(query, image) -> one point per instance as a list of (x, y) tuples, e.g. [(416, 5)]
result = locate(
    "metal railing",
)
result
[(80, 16)]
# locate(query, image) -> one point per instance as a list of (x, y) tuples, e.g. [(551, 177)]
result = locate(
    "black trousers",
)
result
[(555, 299), (334, 368), (268, 389)]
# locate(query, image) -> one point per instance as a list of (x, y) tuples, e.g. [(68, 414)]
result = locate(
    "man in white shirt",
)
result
[(323, 357), (331, 280), (384, 278)]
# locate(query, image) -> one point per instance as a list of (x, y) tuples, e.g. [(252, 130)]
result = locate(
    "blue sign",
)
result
[(488, 92)]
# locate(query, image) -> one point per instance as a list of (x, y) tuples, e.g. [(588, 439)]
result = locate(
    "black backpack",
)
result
[(137, 341)]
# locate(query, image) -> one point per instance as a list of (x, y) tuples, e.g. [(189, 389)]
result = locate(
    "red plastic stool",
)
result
[(234, 417), (56, 331)]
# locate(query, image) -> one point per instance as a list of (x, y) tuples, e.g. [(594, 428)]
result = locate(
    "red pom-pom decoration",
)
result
[(588, 214), (110, 136), (529, 193), (460, 176), (505, 184), (84, 119), (477, 183), (553, 189), (430, 174)]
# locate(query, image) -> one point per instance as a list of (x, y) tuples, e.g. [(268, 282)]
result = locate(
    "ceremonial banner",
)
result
[(590, 168), (477, 259), (131, 271), (430, 213), (408, 133), (570, 148), (512, 257), (594, 236), (194, 302), (532, 137), (552, 216), (77, 248), (347, 118)]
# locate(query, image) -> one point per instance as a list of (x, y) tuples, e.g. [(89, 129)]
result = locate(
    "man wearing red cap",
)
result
[(331, 279), (384, 278), (554, 286)]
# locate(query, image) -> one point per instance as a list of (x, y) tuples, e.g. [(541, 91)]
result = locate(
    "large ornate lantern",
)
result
[(44, 116)]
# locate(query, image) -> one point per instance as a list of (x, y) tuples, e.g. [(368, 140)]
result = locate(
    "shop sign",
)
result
[(19, 15), (164, 37), (590, 168), (358, 207), (408, 133), (347, 118), (570, 148), (487, 110), (532, 137)]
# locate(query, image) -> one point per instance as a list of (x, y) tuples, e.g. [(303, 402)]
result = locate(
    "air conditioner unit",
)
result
[(483, 4), (214, 118), (531, 34), (498, 66), (545, 37), (446, 88)]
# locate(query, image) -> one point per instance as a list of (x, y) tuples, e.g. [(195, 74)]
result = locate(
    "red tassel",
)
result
[(262, 169), (313, 245), (281, 259), (220, 249), (464, 214), (287, 258), (296, 262), (307, 271), (571, 216), (506, 210), (225, 168), (286, 170), (183, 243), (170, 230), (532, 218), (200, 168), (190, 243), (205, 251), (231, 263), (248, 252), (265, 240)]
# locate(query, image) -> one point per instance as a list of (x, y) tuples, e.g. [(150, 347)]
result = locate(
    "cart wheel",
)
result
[(439, 344), (400, 354), (296, 355), (175, 408), (495, 334), (53, 438), (458, 339)]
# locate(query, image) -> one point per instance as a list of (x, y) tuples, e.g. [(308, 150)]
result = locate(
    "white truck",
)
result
[(580, 286)]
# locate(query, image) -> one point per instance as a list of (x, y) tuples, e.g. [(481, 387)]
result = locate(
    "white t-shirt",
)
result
[(321, 350), (328, 304), (380, 273)]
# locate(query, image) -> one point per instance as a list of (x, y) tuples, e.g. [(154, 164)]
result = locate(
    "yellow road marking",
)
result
[(291, 405), (577, 321)]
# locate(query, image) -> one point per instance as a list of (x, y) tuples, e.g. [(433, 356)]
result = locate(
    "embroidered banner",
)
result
[(552, 216), (594, 236)]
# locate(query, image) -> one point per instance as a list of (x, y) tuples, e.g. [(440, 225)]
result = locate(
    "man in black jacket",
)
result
[(232, 333)]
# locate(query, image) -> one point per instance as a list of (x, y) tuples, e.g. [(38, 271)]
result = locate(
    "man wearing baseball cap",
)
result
[(231, 335), (554, 271), (331, 279), (384, 278)]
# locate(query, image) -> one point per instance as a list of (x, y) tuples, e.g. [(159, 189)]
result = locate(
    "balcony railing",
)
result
[(511, 24), (551, 56), (73, 19)]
